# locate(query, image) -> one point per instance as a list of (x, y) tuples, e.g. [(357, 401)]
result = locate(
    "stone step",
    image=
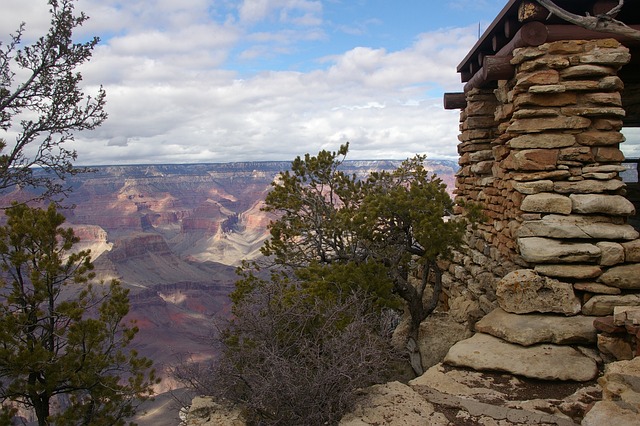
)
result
[(542, 361), (529, 329)]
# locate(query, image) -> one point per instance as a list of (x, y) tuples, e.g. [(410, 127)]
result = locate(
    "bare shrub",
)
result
[(290, 358)]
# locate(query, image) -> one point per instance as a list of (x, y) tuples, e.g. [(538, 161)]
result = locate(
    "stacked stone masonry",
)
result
[(541, 154)]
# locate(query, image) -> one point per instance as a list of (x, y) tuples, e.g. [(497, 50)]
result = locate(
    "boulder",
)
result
[(437, 334), (530, 329), (609, 413), (602, 305), (392, 404), (545, 362), (624, 276), (524, 291), (547, 250)]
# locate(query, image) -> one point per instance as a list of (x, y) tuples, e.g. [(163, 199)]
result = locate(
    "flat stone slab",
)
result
[(492, 398), (545, 361), (529, 329), (602, 305), (393, 404)]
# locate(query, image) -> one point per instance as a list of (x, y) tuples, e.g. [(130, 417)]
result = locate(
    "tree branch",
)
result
[(604, 23)]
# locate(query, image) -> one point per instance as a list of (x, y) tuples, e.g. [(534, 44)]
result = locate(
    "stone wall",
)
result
[(541, 155)]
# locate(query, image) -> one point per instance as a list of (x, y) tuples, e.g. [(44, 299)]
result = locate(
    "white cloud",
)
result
[(373, 98), (299, 12), (172, 97)]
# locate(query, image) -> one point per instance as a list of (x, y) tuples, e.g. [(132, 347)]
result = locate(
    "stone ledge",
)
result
[(545, 362)]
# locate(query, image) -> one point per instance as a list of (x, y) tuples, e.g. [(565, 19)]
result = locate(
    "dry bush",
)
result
[(289, 358)]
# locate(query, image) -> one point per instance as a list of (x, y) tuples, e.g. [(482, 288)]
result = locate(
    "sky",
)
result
[(193, 81)]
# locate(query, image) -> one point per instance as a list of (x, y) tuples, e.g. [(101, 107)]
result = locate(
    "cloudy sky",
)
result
[(245, 80)]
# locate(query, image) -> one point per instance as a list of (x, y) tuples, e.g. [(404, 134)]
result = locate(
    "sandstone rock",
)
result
[(606, 325), (546, 89), (536, 125), (605, 168), (609, 413), (392, 404), (579, 154), (530, 329), (499, 399), (602, 305), (588, 186), (623, 276), (596, 288), (621, 382), (595, 138), (626, 314), (615, 205), (533, 187), (554, 174), (532, 159), (615, 348), (204, 411), (524, 291), (550, 227), (608, 154), (579, 272), (546, 362), (542, 77), (631, 251), (612, 253), (546, 202), (483, 155), (582, 71), (437, 334), (576, 226), (547, 250), (621, 396), (542, 140)]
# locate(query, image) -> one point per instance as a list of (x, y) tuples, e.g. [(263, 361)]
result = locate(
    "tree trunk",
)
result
[(41, 407)]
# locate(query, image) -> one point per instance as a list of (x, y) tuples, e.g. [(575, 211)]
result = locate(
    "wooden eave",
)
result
[(494, 49)]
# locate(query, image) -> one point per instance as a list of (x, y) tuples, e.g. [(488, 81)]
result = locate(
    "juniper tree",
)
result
[(398, 220)]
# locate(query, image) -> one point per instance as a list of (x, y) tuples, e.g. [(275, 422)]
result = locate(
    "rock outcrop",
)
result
[(443, 396)]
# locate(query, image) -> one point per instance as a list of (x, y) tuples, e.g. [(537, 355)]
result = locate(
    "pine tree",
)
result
[(63, 340)]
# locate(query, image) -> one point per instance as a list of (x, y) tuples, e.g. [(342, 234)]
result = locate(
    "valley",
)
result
[(173, 235)]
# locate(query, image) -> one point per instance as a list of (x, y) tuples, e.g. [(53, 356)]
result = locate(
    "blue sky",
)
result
[(249, 80)]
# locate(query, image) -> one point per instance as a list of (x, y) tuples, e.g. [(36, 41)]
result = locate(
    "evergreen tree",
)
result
[(62, 339), (398, 220)]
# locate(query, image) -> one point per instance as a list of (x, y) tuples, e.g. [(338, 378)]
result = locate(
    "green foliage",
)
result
[(51, 95), (336, 231), (315, 202), (62, 339)]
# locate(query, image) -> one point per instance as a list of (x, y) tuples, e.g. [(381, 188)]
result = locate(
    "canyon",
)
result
[(174, 235)]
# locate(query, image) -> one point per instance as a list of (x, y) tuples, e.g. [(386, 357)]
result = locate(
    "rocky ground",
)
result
[(452, 396)]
